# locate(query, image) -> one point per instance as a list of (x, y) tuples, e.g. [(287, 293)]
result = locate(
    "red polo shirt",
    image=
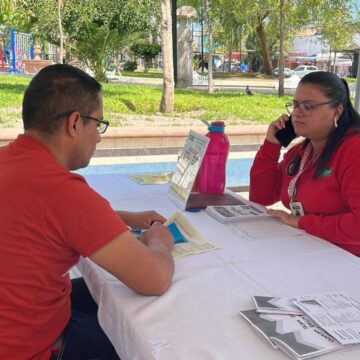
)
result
[(331, 202), (48, 218)]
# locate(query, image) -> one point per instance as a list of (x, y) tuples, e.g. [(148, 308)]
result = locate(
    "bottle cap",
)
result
[(217, 126)]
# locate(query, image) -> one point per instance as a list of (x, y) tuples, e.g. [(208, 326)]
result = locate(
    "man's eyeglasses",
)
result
[(305, 107), (102, 125)]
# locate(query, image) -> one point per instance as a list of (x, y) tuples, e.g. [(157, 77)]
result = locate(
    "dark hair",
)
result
[(337, 90), (57, 89)]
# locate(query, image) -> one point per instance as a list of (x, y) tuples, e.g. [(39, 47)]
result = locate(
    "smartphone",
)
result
[(287, 134)]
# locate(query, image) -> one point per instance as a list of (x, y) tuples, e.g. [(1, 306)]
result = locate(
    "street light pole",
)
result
[(357, 88), (202, 43), (174, 38)]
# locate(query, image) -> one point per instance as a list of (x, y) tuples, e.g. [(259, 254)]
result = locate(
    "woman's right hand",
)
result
[(275, 126)]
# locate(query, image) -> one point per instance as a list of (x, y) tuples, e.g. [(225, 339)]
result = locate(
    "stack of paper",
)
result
[(306, 326)]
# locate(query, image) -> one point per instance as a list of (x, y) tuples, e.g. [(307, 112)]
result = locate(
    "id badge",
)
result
[(296, 208)]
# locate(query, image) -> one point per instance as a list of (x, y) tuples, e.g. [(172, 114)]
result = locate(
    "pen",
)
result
[(194, 209)]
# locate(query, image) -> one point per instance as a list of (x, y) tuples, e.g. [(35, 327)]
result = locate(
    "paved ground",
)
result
[(236, 83)]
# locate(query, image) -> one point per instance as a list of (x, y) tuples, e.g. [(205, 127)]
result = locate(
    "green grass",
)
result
[(234, 107), (350, 80), (148, 74)]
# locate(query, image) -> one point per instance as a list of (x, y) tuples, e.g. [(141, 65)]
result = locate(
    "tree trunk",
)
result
[(329, 61), (240, 45), (230, 51), (210, 45), (264, 45), (61, 55), (334, 67), (167, 100), (281, 50)]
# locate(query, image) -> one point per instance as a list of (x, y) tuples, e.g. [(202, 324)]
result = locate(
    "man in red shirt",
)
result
[(49, 216)]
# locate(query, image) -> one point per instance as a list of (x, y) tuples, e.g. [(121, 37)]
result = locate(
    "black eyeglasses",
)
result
[(305, 107), (102, 125)]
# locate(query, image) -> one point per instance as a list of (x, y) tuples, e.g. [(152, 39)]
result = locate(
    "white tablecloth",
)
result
[(197, 318)]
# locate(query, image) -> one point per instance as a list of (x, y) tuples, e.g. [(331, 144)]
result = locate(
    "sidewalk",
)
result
[(268, 86), (239, 82)]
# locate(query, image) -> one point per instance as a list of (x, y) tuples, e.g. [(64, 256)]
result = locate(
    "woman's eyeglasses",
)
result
[(305, 107)]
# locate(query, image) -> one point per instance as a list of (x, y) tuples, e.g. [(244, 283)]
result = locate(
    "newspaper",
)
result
[(336, 313), (195, 244)]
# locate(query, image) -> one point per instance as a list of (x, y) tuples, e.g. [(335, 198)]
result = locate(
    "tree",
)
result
[(341, 11), (148, 52), (282, 41), (95, 30), (167, 99), (210, 44), (61, 35), (101, 29)]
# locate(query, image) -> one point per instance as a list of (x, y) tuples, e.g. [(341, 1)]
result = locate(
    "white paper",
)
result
[(336, 313), (275, 305), (260, 228)]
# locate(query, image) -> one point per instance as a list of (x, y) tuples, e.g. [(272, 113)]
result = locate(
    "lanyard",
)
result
[(292, 183)]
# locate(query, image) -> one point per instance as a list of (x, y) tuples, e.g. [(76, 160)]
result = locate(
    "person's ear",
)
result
[(338, 111), (73, 122)]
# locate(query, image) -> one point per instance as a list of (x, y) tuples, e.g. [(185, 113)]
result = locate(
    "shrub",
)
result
[(130, 66), (148, 52)]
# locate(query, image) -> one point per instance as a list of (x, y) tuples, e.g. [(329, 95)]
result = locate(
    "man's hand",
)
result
[(157, 235), (285, 217), (145, 266), (141, 219)]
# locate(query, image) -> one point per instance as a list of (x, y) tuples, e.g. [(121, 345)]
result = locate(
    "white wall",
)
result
[(310, 45)]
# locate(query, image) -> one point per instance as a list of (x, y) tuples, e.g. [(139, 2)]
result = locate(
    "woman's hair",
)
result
[(336, 90)]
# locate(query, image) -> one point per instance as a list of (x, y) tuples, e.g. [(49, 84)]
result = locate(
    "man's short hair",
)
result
[(57, 89)]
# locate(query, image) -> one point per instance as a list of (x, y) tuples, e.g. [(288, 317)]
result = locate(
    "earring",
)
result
[(335, 122)]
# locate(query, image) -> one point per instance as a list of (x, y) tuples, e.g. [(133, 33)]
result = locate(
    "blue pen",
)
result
[(194, 209), (137, 232)]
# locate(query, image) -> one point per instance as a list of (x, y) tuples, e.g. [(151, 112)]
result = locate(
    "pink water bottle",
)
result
[(212, 173)]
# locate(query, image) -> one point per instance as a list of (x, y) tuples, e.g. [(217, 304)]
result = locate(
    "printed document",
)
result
[(195, 244), (187, 168), (336, 313), (232, 213), (152, 178), (260, 228), (275, 305), (297, 335)]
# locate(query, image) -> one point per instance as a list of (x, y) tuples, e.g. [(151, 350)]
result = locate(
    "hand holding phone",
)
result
[(287, 134)]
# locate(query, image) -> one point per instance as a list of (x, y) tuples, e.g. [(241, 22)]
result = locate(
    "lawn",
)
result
[(122, 100)]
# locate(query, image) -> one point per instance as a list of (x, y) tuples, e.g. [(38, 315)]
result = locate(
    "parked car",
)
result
[(287, 72), (305, 69)]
